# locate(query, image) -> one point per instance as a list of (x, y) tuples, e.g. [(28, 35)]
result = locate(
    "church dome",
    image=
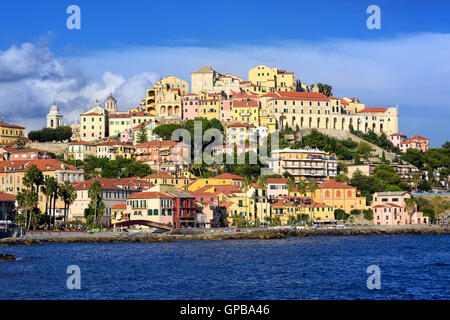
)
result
[(111, 98), (54, 109)]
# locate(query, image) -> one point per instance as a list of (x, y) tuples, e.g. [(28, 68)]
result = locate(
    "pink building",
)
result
[(404, 143), (127, 136), (190, 105), (225, 110), (389, 208), (276, 187)]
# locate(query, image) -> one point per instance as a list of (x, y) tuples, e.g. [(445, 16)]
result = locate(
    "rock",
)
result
[(7, 257)]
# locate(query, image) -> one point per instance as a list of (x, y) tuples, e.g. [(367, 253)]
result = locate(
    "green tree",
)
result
[(95, 193), (142, 134), (410, 206), (342, 167), (27, 199), (342, 178), (439, 206), (50, 188), (68, 195)]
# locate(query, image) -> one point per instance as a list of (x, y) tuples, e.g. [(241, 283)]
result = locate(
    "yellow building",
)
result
[(9, 133), (352, 105), (304, 164), (119, 214), (285, 209), (162, 178), (340, 196), (113, 150), (265, 79), (81, 150), (319, 212), (209, 105), (172, 82), (118, 123), (245, 112), (225, 179), (267, 120), (238, 133)]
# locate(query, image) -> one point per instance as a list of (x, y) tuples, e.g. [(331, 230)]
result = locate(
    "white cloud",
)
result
[(32, 78), (409, 70)]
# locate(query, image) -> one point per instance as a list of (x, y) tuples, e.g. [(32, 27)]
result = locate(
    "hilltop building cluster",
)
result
[(270, 100)]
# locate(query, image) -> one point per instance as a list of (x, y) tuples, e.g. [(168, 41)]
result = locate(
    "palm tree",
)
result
[(301, 187), (95, 192), (291, 185), (313, 186), (50, 188), (262, 182), (26, 199), (416, 178), (410, 205), (68, 195), (247, 183)]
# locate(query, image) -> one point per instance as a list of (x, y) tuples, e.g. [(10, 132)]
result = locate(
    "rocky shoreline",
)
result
[(230, 234)]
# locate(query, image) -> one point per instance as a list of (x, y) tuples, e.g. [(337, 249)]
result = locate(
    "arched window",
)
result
[(338, 193), (327, 194), (349, 193), (149, 212)]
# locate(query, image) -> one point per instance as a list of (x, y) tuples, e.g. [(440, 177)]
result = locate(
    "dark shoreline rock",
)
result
[(7, 258), (257, 234)]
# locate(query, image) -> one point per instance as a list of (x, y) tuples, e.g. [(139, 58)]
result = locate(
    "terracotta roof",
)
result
[(7, 197), (148, 195), (294, 95), (334, 185), (398, 134), (226, 204), (373, 109), (120, 206), (418, 137), (107, 183), (158, 143), (277, 180), (240, 125), (119, 115), (8, 125), (219, 189), (387, 205), (93, 114), (41, 164), (112, 143), (159, 175), (228, 176), (245, 104)]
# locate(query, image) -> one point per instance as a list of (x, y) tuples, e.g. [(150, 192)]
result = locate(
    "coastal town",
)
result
[(319, 160)]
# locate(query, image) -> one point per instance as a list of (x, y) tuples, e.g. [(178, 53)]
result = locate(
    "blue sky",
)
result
[(124, 46)]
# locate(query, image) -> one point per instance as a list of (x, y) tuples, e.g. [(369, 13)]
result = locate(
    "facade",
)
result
[(81, 150), (54, 117), (169, 105), (9, 153), (225, 179), (276, 187), (7, 206), (315, 110), (190, 106), (9, 133), (163, 155), (113, 150), (118, 123), (389, 208), (405, 171), (184, 209), (203, 79), (151, 206), (93, 125), (240, 133), (340, 196), (404, 143), (304, 164), (265, 79), (114, 192), (245, 112), (172, 82)]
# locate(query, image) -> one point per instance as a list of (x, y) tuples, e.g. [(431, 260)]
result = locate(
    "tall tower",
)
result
[(111, 104), (54, 117)]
